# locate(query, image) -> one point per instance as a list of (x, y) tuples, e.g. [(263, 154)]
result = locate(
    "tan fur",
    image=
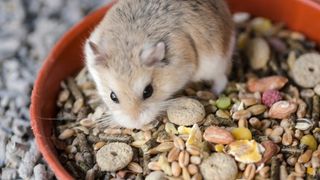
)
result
[(195, 32)]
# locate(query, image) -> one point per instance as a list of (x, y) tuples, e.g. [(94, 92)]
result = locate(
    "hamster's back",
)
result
[(139, 21)]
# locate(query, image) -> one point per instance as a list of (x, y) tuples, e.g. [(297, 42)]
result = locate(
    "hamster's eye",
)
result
[(114, 97), (147, 92)]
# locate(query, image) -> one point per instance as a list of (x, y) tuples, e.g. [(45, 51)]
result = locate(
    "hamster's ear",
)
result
[(93, 47), (153, 55), (99, 57)]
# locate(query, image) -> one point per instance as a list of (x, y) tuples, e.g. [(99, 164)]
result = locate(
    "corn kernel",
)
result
[(241, 133)]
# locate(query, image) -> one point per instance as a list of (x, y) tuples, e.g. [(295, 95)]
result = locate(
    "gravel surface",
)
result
[(28, 30)]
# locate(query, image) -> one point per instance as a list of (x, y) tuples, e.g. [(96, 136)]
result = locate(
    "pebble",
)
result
[(186, 112), (219, 166), (306, 70), (40, 172), (114, 156)]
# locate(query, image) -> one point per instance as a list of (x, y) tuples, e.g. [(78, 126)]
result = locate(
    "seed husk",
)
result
[(163, 147), (135, 167), (275, 168), (304, 124)]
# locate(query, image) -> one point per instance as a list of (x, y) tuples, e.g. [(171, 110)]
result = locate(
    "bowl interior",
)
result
[(66, 59)]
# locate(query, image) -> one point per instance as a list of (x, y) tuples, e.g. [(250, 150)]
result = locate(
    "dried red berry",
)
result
[(270, 97)]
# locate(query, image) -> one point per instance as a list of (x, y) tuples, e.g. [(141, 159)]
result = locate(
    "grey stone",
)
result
[(3, 142), (8, 48), (28, 162), (24, 113), (5, 101), (6, 124), (39, 39), (9, 173), (40, 172), (51, 7), (74, 13)]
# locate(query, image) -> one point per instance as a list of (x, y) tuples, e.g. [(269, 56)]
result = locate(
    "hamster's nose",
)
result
[(134, 112)]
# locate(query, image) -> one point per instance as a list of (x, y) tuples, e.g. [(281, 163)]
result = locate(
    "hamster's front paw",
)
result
[(219, 84)]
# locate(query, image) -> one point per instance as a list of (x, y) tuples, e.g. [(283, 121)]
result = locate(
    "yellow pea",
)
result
[(310, 141), (241, 133)]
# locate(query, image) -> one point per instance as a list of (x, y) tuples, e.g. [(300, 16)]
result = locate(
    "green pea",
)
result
[(223, 102)]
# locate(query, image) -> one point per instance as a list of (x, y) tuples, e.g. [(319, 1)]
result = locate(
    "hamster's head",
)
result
[(134, 85)]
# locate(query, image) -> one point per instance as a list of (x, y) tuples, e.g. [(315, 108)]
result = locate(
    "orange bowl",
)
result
[(66, 59)]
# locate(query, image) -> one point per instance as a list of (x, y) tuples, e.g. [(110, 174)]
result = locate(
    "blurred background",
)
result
[(28, 30)]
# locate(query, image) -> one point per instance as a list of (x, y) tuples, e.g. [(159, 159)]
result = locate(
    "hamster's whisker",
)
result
[(105, 120), (103, 117)]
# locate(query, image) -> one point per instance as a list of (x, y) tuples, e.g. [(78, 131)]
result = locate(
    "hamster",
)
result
[(144, 51)]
